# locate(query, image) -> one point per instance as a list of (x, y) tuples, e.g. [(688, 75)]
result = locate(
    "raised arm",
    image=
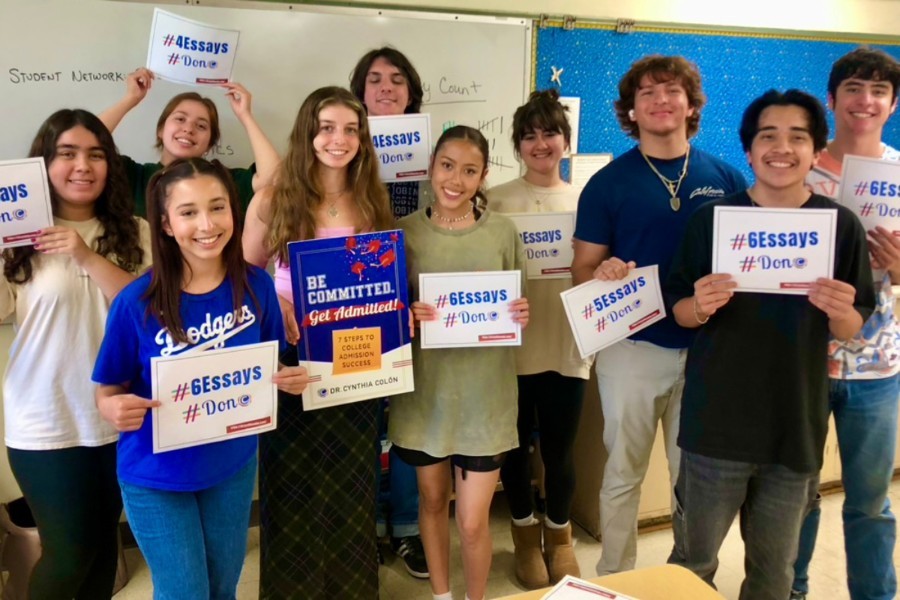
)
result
[(137, 84), (264, 153)]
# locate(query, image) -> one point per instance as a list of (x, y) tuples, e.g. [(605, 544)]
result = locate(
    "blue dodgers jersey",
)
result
[(133, 337)]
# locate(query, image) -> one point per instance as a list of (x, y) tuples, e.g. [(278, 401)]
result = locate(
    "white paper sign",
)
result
[(548, 243), (190, 52), (774, 250), (572, 588), (214, 395), (603, 312), (403, 146), (871, 188), (473, 309), (24, 201), (584, 166)]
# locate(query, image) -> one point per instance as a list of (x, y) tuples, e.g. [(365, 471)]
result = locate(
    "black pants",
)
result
[(75, 499), (555, 401)]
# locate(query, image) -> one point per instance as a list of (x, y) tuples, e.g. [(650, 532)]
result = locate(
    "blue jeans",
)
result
[(771, 500), (865, 416), (400, 505), (193, 542)]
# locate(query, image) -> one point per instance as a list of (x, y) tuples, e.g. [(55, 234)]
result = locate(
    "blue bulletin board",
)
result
[(736, 68)]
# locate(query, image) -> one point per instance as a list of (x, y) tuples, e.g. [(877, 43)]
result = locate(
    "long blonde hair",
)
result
[(298, 191)]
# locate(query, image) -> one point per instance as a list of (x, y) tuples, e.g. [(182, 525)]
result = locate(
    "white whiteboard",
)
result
[(476, 70)]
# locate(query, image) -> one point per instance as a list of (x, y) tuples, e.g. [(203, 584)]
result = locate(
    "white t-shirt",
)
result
[(60, 316)]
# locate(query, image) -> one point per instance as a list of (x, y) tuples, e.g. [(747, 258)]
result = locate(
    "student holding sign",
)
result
[(633, 213), (461, 418), (317, 480), (387, 84), (188, 508), (61, 452), (755, 408), (862, 93), (189, 128), (551, 371)]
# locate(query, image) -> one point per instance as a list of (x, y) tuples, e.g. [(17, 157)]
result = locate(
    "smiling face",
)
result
[(457, 172), (661, 108), (337, 140), (541, 150), (387, 90), (782, 151), (198, 216), (77, 171), (186, 132), (862, 106)]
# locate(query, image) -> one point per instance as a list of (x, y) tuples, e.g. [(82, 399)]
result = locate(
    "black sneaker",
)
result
[(795, 595), (410, 549)]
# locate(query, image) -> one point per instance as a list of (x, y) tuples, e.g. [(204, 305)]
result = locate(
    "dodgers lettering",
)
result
[(607, 300), (457, 298), (186, 43), (799, 239), (11, 193), (212, 383), (884, 189), (398, 139), (541, 237)]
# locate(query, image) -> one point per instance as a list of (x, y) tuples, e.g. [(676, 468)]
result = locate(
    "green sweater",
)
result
[(465, 401)]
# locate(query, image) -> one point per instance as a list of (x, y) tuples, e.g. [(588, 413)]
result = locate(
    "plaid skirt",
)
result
[(317, 503)]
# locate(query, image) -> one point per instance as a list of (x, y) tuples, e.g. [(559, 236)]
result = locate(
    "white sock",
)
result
[(529, 520), (551, 525), (444, 596)]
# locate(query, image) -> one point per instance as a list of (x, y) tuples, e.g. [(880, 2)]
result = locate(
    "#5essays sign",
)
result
[(213, 395), (24, 201), (351, 303)]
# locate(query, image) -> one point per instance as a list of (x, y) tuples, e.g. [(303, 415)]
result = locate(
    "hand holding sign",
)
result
[(712, 292), (292, 380), (613, 269), (125, 412), (137, 84), (885, 249), (834, 298)]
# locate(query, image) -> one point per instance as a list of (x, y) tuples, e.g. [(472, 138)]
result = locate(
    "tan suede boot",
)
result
[(560, 553), (530, 568)]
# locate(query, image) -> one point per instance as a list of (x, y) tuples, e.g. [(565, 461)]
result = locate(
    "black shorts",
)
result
[(477, 464)]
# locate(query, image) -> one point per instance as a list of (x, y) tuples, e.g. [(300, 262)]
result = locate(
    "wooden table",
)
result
[(665, 582)]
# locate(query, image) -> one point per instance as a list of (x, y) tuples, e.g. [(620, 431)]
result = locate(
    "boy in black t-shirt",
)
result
[(753, 428)]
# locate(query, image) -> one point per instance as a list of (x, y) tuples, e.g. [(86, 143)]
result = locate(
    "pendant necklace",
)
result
[(452, 220), (332, 204), (672, 186)]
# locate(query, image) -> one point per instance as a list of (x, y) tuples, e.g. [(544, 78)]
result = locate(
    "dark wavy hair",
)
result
[(660, 69), (865, 63), (120, 241), (477, 139), (542, 111), (816, 120), (168, 272), (399, 60)]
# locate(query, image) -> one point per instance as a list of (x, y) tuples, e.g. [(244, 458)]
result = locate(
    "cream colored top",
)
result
[(547, 342)]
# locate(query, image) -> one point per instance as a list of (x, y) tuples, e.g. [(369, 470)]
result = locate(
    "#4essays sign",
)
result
[(403, 146), (213, 395), (24, 201), (774, 250), (603, 312), (351, 303), (186, 51)]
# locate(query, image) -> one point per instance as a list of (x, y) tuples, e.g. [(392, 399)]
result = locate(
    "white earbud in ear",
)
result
[(631, 114)]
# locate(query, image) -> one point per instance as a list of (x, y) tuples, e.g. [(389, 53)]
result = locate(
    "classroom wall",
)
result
[(880, 17)]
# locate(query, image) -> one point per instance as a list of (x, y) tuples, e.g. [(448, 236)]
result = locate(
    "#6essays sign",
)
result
[(871, 188), (214, 395), (473, 309), (774, 250), (547, 238), (24, 201), (603, 312), (185, 51), (403, 146), (351, 303)]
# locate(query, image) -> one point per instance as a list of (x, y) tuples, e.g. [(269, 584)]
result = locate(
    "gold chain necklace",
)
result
[(332, 204), (450, 221), (671, 186)]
